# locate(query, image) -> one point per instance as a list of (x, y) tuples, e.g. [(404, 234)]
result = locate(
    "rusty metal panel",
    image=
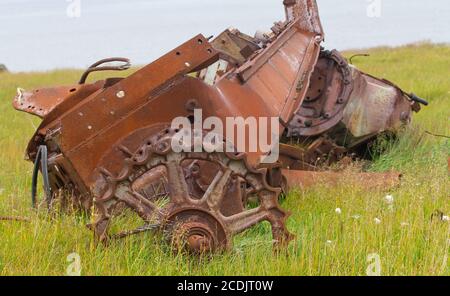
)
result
[(374, 107), (118, 100), (298, 91), (285, 86), (306, 14), (41, 102), (236, 45), (86, 156)]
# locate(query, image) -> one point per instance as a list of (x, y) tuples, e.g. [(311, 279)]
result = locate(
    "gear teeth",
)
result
[(137, 163)]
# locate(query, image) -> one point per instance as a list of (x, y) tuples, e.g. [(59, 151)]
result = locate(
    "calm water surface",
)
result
[(39, 35)]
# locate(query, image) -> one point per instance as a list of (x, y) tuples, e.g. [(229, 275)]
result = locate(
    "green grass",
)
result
[(407, 240)]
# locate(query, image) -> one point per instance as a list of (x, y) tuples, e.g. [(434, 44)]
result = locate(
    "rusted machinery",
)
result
[(109, 143)]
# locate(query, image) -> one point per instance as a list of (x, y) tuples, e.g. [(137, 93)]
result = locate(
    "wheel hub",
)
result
[(196, 231)]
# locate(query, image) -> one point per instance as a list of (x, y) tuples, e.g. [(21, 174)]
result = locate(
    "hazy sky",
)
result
[(39, 34)]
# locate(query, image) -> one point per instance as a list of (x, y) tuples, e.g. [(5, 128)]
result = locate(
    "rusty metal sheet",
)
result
[(120, 99), (284, 68), (40, 102), (375, 106), (305, 13), (236, 45)]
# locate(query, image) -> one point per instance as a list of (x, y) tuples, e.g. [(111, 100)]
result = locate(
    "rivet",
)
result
[(81, 114), (120, 94), (89, 127), (187, 64)]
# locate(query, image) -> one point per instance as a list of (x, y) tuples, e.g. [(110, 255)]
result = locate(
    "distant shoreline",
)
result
[(418, 44)]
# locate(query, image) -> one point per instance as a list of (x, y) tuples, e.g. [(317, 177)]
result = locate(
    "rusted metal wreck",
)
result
[(108, 143)]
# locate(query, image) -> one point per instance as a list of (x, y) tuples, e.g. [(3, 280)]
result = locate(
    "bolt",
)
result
[(120, 94), (308, 123)]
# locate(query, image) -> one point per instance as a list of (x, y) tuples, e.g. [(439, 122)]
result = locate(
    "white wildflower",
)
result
[(338, 211), (356, 217), (377, 221), (389, 199), (446, 218), (329, 242)]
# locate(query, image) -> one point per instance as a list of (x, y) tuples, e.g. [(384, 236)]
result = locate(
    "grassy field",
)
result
[(406, 239)]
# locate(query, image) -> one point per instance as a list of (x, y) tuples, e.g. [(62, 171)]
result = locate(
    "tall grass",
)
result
[(407, 239)]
